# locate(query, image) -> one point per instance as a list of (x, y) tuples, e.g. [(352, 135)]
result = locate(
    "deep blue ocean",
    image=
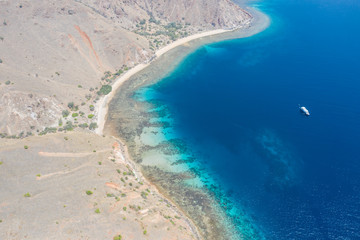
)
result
[(235, 103)]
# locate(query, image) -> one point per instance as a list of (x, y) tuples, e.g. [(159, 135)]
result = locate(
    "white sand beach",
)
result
[(103, 104)]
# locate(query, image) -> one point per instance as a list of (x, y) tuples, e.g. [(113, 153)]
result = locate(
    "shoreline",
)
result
[(103, 105), (258, 23), (125, 157)]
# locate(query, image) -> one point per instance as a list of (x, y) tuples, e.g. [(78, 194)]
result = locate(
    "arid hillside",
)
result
[(80, 186), (56, 55)]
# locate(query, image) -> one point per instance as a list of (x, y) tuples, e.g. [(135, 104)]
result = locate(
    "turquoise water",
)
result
[(233, 106)]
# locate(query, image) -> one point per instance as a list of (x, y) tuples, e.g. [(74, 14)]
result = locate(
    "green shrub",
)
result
[(65, 113), (97, 210), (90, 116), (104, 90), (48, 130), (92, 108), (71, 105), (27, 195), (26, 147), (88, 192), (93, 126), (117, 237), (75, 115), (83, 125), (7, 82), (69, 126)]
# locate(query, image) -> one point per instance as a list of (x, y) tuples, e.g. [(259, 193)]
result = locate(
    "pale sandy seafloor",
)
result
[(130, 120)]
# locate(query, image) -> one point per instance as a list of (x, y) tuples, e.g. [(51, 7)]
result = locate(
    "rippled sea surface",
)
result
[(228, 114)]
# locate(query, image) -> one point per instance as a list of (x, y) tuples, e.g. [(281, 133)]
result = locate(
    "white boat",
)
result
[(304, 110)]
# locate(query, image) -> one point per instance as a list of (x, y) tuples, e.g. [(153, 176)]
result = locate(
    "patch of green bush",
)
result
[(48, 130), (117, 237), (65, 113), (93, 126), (83, 125), (69, 126), (104, 90)]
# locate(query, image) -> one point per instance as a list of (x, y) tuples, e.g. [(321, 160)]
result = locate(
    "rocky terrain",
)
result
[(56, 55)]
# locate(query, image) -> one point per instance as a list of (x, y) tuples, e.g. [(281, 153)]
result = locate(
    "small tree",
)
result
[(71, 105), (93, 126), (65, 113)]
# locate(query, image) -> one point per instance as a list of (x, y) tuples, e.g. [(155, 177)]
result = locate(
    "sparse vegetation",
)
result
[(48, 130)]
